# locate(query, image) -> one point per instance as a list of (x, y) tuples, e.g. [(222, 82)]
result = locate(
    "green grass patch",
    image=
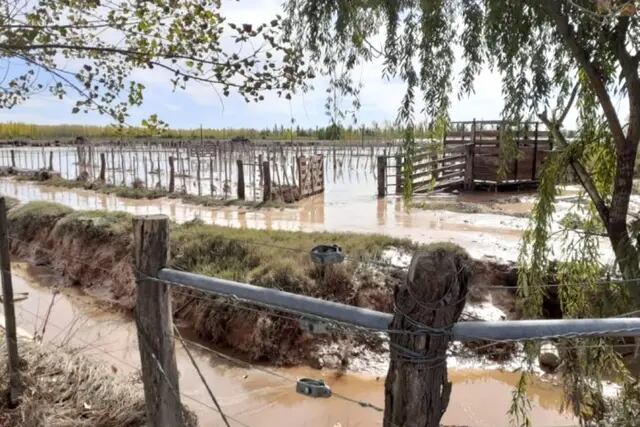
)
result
[(97, 224), (29, 218), (268, 258)]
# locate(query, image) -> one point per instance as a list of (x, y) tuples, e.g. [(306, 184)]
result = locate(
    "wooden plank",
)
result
[(450, 175), (441, 186), (426, 172), (440, 160)]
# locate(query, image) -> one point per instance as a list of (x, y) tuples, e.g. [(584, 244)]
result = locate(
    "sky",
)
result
[(200, 105)]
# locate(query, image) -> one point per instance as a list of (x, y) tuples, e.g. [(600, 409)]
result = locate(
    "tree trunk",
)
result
[(625, 250)]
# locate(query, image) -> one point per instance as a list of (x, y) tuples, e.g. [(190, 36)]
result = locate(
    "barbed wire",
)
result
[(222, 355), (204, 381), (249, 365), (425, 328)]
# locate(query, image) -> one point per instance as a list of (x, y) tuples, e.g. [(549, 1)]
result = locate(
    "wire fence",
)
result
[(66, 332)]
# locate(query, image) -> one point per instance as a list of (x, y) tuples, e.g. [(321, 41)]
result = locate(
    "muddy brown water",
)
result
[(345, 207), (480, 397)]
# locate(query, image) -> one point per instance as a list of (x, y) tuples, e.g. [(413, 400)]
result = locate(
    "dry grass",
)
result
[(66, 389)]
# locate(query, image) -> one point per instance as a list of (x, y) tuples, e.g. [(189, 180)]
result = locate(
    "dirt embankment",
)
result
[(93, 250)]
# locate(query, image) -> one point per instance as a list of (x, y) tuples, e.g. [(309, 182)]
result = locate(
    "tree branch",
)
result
[(553, 8), (107, 49), (578, 168), (570, 101)]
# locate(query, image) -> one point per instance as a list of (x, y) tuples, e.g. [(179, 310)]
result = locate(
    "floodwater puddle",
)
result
[(250, 395)]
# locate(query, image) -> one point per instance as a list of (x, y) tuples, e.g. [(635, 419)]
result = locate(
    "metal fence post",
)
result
[(417, 389), (155, 324), (9, 309)]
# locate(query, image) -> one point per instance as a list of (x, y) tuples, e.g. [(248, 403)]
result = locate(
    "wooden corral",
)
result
[(531, 141), (469, 156)]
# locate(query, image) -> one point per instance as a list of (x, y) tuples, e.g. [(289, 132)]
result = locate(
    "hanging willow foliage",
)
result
[(551, 55)]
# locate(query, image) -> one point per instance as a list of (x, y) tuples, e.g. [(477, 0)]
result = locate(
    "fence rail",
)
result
[(503, 330), (424, 322)]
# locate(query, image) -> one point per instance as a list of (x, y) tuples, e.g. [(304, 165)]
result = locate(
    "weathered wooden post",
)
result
[(431, 300), (382, 179), (198, 178), (103, 167), (172, 180), (535, 153), (468, 167), (145, 170), (155, 324), (9, 310), (13, 159), (399, 176), (240, 180), (50, 160), (266, 179)]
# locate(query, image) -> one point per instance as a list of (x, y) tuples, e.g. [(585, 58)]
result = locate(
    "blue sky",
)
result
[(201, 105)]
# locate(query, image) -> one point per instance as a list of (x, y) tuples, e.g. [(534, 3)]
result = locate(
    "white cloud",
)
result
[(199, 104)]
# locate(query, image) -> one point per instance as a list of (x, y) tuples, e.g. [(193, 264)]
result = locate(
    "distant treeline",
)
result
[(13, 130)]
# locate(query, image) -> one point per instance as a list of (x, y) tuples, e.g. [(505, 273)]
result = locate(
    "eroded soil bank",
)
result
[(92, 250)]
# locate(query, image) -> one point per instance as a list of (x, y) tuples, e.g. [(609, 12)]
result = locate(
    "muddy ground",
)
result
[(93, 251)]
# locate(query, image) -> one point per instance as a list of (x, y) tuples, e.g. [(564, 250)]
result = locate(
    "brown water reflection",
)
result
[(480, 398)]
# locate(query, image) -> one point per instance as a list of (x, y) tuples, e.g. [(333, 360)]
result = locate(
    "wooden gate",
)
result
[(447, 170), (310, 175), (469, 156)]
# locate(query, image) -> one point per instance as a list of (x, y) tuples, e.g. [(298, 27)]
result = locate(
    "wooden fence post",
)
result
[(13, 159), (431, 300), (535, 153), (198, 178), (50, 160), (172, 180), (240, 180), (468, 167), (9, 311), (382, 178), (266, 178), (399, 176), (155, 324), (103, 167)]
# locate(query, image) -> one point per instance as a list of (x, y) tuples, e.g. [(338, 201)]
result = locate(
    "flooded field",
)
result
[(253, 396), (346, 207)]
